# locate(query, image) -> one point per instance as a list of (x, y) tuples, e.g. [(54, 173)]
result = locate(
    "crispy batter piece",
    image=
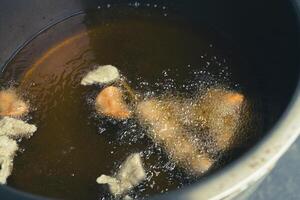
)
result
[(101, 75), (131, 173), (11, 105), (221, 111), (166, 131), (110, 102)]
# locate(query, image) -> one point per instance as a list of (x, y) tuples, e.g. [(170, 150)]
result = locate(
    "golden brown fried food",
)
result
[(166, 131), (110, 102), (220, 111), (11, 105)]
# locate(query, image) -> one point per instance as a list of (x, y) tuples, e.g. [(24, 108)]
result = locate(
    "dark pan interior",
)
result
[(265, 32)]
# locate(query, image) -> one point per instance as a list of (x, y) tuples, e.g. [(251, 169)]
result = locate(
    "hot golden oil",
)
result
[(73, 145)]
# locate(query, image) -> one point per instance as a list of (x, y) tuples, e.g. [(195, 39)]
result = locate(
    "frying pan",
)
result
[(267, 32)]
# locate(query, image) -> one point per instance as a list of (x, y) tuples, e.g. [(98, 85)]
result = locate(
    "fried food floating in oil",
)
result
[(10, 130), (11, 105), (15, 128), (221, 111), (110, 102), (130, 174), (101, 75), (166, 131), (8, 148)]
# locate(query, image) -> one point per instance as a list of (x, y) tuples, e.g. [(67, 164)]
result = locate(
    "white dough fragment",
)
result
[(8, 148), (10, 130), (131, 173), (15, 128), (101, 75)]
